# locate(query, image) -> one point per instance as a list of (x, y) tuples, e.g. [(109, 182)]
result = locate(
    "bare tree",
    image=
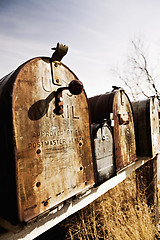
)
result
[(136, 76)]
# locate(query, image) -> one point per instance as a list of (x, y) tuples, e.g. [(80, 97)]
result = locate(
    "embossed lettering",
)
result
[(73, 113), (48, 87)]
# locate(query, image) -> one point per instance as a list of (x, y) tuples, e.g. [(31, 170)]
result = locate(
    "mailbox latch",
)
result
[(123, 118), (60, 51), (75, 87)]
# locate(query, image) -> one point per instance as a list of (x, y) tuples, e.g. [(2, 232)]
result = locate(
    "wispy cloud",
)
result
[(97, 32)]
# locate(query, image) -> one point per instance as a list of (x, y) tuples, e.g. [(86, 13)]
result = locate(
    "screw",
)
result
[(103, 138)]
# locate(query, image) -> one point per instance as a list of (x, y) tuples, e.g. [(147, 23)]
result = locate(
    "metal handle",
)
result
[(75, 87)]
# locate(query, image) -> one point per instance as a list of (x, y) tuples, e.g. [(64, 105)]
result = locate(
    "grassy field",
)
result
[(120, 214)]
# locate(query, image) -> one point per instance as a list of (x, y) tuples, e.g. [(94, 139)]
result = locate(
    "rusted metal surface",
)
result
[(8, 200), (103, 152), (146, 120), (115, 106), (75, 87), (50, 157)]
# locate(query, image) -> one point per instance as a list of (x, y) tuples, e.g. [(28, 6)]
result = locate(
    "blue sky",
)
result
[(98, 34)]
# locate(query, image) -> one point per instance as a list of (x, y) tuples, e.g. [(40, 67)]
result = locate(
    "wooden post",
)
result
[(158, 178), (146, 180)]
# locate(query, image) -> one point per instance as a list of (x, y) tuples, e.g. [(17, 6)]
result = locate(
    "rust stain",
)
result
[(116, 103), (54, 150), (124, 134), (146, 119)]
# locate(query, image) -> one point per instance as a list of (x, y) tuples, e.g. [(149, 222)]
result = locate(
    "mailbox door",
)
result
[(104, 157), (124, 135), (53, 151), (154, 123)]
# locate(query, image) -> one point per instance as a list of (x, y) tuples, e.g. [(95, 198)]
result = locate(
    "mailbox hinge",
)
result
[(60, 51)]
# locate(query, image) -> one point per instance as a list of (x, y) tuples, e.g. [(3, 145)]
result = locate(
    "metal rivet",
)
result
[(103, 138)]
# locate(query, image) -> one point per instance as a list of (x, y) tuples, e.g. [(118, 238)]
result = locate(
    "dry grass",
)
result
[(117, 215)]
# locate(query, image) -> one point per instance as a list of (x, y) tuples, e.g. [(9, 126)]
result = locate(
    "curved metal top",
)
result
[(100, 107)]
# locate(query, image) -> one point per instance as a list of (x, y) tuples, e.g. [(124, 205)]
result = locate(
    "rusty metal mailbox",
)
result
[(45, 142), (103, 152), (146, 118), (116, 108)]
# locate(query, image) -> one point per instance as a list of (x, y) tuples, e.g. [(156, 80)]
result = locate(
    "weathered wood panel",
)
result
[(146, 180)]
